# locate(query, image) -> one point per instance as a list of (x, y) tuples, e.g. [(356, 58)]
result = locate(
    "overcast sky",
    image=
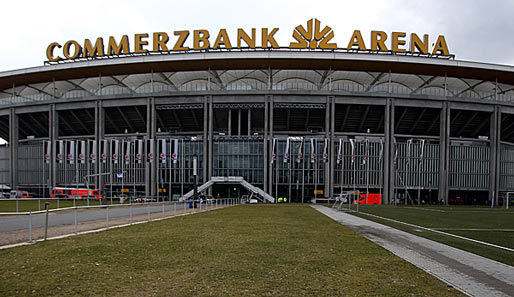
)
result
[(475, 30)]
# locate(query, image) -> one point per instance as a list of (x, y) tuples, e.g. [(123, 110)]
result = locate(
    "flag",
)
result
[(325, 151), (352, 144), (149, 150), (273, 153), (313, 151), (175, 151), (104, 148), (286, 152), (422, 149), (47, 145), (119, 176), (82, 151), (70, 151), (409, 144), (92, 151), (339, 152), (162, 150), (126, 151), (115, 150), (381, 150), (300, 153), (60, 151), (366, 154), (138, 149)]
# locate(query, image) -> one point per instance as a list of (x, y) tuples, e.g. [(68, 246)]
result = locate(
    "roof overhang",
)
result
[(262, 59)]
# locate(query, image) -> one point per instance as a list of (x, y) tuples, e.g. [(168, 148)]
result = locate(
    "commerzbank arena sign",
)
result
[(312, 36)]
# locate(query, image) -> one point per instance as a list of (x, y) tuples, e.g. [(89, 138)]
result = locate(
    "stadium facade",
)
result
[(302, 122)]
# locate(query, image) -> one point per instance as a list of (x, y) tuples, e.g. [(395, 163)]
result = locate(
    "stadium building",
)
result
[(308, 121)]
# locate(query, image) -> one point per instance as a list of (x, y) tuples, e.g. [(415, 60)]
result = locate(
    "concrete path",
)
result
[(472, 274)]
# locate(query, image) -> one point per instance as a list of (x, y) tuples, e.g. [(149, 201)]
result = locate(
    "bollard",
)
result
[(175, 209), (148, 211), (30, 226), (163, 209), (46, 220), (39, 204)]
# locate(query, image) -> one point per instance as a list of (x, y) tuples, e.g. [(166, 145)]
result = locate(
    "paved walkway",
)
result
[(470, 273)]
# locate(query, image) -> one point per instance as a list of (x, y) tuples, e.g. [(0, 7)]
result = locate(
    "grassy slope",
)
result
[(239, 251), (458, 218)]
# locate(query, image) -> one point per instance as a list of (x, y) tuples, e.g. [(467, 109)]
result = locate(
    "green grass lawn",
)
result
[(250, 250), (494, 226), (34, 205)]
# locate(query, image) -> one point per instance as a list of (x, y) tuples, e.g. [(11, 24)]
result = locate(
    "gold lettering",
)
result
[(356, 40), (268, 38), (417, 45), (301, 42), (66, 50), (397, 42), (222, 39), (159, 41), (241, 35), (50, 52), (139, 43), (200, 36), (378, 39), (90, 51), (114, 49), (182, 36), (441, 47)]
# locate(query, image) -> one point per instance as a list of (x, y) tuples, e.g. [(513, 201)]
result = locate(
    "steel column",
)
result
[(327, 136), (53, 135), (494, 153), (444, 152), (13, 146), (389, 166), (332, 159), (267, 163)]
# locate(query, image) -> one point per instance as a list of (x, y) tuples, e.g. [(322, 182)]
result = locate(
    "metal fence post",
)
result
[(163, 208), (46, 220), (75, 213), (107, 217), (30, 226), (130, 207), (39, 204), (175, 209), (148, 211)]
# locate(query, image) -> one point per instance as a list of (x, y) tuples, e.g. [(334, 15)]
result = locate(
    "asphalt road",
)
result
[(21, 222)]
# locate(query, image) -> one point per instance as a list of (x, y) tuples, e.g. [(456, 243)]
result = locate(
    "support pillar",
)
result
[(332, 155), (13, 147), (53, 136), (389, 151), (151, 167), (444, 153), (267, 153), (270, 108), (494, 155), (327, 167), (207, 142), (99, 135)]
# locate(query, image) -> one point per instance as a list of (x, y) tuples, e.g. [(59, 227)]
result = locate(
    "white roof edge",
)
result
[(277, 54)]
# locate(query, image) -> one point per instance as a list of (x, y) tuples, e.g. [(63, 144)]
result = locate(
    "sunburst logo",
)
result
[(313, 37)]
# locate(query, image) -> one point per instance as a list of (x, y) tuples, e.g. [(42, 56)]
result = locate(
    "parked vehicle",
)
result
[(371, 199), (77, 193), (19, 194)]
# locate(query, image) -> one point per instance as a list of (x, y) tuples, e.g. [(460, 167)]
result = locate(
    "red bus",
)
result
[(77, 193)]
